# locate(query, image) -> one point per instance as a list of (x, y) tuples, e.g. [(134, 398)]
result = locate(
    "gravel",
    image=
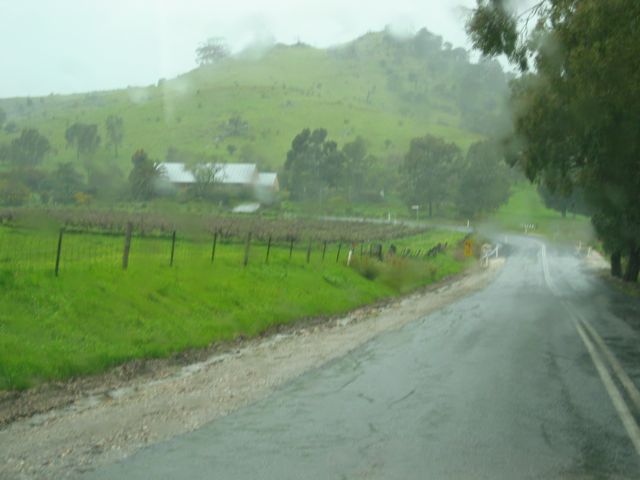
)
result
[(61, 430)]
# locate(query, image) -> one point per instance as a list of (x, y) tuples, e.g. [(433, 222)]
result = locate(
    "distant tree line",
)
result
[(23, 176), (317, 168), (434, 172)]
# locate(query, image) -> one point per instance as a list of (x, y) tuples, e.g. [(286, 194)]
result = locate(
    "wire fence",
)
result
[(65, 250)]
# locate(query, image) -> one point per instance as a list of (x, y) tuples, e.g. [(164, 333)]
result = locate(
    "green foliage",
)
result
[(93, 316), (525, 206), (564, 197), (11, 127), (115, 132), (494, 30), (66, 182), (278, 94), (429, 170), (576, 115), (3, 117), (211, 51), (205, 175), (235, 126), (84, 137), (28, 150), (13, 193), (313, 164), (358, 167), (484, 182), (143, 178)]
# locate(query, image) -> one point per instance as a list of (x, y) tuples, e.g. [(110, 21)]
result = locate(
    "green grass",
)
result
[(94, 315), (525, 206), (278, 94)]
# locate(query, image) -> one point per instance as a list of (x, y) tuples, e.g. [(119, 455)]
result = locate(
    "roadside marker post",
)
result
[(268, 250), (173, 248), (59, 251), (213, 248), (127, 246), (468, 248)]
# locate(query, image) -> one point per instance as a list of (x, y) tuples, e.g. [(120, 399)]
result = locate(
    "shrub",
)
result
[(13, 194)]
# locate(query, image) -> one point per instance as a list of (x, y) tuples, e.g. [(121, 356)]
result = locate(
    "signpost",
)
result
[(417, 209)]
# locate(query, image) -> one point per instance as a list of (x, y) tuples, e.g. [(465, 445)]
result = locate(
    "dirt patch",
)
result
[(63, 429)]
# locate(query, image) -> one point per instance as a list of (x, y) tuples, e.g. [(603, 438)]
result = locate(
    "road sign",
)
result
[(468, 248)]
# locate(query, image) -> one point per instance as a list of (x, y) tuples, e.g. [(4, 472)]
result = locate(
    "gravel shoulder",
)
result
[(62, 430)]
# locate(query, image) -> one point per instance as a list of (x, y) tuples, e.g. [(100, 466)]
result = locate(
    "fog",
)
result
[(67, 46)]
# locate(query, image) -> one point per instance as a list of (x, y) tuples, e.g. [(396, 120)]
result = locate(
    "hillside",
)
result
[(385, 89)]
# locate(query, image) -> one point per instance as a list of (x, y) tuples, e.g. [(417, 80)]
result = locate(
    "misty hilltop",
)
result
[(248, 107)]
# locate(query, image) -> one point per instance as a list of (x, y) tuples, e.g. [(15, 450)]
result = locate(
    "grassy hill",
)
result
[(384, 89)]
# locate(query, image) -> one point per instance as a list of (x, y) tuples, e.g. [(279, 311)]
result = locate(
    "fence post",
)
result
[(59, 251), (309, 252), (213, 248), (361, 248), (127, 245), (324, 249), (268, 249), (246, 250), (338, 255), (290, 247), (173, 248)]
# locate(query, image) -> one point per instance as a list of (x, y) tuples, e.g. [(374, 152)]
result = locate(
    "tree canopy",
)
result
[(28, 150), (428, 171), (144, 176), (576, 102), (484, 181), (313, 163), (84, 137), (212, 51), (115, 132)]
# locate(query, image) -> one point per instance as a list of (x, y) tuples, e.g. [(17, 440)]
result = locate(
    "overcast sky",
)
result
[(64, 46)]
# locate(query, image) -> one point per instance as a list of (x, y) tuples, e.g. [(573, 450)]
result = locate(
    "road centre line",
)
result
[(626, 381), (619, 404), (630, 425)]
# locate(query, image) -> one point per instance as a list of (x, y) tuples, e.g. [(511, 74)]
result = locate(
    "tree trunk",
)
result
[(633, 266), (616, 264)]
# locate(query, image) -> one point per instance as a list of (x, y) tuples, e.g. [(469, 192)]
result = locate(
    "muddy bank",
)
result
[(61, 430)]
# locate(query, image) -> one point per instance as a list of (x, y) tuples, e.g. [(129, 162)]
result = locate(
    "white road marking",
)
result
[(616, 397), (633, 392), (619, 404), (545, 270)]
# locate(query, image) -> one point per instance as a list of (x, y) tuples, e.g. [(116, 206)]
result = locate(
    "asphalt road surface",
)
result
[(533, 377)]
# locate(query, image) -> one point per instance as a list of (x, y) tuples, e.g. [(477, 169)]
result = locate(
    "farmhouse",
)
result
[(232, 174), (268, 181)]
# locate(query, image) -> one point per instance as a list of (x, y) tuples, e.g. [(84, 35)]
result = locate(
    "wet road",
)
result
[(500, 385)]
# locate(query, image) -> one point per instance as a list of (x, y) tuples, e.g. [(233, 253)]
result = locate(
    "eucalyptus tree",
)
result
[(576, 102), (429, 171), (115, 132), (84, 137)]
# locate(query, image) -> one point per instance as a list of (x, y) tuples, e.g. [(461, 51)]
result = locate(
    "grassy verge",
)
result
[(526, 207), (94, 315)]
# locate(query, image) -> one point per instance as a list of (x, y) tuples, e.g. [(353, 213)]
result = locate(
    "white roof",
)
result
[(246, 208), (267, 179), (240, 173), (177, 173), (233, 173)]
